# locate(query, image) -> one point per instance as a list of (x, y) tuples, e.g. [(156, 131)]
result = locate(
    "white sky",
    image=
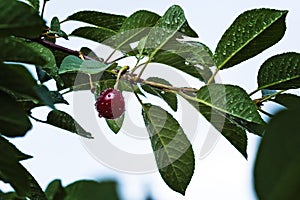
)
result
[(223, 174)]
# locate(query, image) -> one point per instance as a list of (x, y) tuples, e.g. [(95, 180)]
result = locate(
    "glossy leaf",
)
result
[(164, 30), (234, 133), (75, 64), (22, 52), (97, 34), (25, 22), (231, 100), (55, 25), (168, 97), (14, 121), (115, 124), (55, 191), (280, 72), (288, 100), (139, 19), (104, 20), (276, 172), (172, 149), (180, 63), (64, 121), (85, 189), (251, 33)]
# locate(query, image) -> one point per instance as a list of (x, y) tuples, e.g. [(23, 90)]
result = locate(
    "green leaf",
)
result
[(104, 20), (233, 132), (55, 191), (164, 30), (85, 189), (115, 124), (172, 149), (75, 64), (11, 196), (64, 121), (97, 34), (90, 53), (231, 100), (50, 67), (22, 52), (288, 100), (55, 25), (12, 172), (251, 33), (24, 23), (194, 52), (180, 63), (14, 121), (276, 172), (280, 72), (35, 4), (169, 97)]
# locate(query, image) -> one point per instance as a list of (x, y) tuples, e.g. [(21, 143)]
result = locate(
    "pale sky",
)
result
[(224, 173)]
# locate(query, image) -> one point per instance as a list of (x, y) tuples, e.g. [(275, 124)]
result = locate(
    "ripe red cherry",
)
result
[(110, 104)]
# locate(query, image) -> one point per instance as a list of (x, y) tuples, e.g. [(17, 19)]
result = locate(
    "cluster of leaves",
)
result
[(163, 39)]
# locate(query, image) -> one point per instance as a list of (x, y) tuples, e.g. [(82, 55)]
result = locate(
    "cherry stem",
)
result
[(121, 71)]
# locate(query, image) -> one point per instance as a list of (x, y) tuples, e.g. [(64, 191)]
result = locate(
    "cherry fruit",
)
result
[(110, 104)]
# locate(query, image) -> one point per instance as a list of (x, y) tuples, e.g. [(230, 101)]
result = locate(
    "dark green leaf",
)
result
[(35, 4), (90, 53), (164, 30), (288, 100), (62, 34), (18, 50), (251, 33), (104, 20), (169, 97), (280, 72), (55, 25), (233, 132), (75, 64), (231, 100), (12, 172), (115, 124), (55, 191), (97, 34), (14, 122), (10, 196), (276, 172), (83, 190), (19, 19), (64, 121), (172, 149), (178, 62)]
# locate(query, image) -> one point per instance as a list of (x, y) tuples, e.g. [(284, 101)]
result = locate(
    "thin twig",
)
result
[(36, 119), (210, 80), (43, 8), (265, 112)]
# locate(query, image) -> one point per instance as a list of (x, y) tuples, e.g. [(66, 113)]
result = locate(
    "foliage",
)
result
[(167, 40)]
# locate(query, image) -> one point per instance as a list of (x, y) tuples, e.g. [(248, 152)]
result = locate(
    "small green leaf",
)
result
[(14, 121), (288, 100), (180, 63), (164, 30), (55, 191), (172, 149), (55, 25), (90, 53), (280, 72), (35, 4), (170, 98), (231, 100), (75, 64), (24, 23), (97, 34), (276, 171), (251, 33), (64, 121), (115, 124), (104, 20), (22, 52), (85, 189)]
